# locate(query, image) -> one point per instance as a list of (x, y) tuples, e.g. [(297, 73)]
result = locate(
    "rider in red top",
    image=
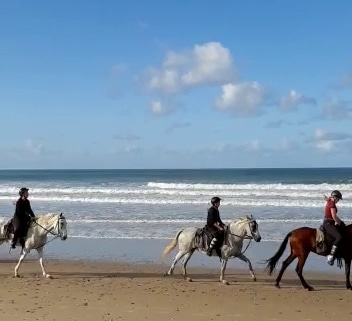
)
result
[(332, 223)]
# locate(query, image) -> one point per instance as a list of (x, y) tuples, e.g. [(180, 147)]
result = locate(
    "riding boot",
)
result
[(211, 246), (331, 256), (14, 241)]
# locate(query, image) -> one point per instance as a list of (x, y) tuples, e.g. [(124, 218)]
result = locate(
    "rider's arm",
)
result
[(218, 226), (30, 211), (334, 215), (27, 209), (212, 218)]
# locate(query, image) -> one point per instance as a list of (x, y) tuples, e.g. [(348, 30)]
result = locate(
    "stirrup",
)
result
[(330, 260)]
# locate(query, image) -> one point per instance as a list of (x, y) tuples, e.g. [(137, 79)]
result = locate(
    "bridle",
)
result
[(244, 237), (56, 227)]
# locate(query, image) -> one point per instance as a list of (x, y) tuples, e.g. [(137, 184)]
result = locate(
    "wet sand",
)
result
[(93, 291)]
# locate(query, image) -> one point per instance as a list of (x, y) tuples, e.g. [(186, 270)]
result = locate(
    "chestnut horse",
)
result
[(303, 240)]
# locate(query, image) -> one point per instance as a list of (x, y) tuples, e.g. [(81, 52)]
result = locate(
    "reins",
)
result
[(56, 235), (245, 237)]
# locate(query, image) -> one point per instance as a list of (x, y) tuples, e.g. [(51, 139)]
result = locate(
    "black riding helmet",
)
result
[(215, 200), (336, 194), (23, 190)]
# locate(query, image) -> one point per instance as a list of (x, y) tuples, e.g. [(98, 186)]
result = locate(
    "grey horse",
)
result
[(190, 239)]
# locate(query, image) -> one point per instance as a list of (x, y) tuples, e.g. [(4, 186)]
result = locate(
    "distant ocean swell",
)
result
[(276, 195), (99, 206)]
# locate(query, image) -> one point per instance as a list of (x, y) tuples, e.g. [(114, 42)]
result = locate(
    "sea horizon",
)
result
[(171, 168)]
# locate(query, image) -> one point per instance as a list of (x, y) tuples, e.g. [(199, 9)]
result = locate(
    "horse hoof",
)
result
[(310, 288), (225, 282), (255, 279), (277, 286), (189, 280), (16, 276), (48, 276)]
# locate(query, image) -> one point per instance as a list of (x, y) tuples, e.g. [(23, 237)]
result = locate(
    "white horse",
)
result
[(37, 236), (235, 232)]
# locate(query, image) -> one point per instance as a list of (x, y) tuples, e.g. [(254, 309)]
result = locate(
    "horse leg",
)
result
[(184, 264), (178, 256), (347, 273), (40, 254), (222, 271), (284, 266), (299, 269), (22, 256), (246, 259)]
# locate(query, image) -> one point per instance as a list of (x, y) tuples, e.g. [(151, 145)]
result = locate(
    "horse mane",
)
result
[(241, 219), (45, 218)]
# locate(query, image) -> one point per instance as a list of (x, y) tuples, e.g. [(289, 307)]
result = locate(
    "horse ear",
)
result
[(61, 214)]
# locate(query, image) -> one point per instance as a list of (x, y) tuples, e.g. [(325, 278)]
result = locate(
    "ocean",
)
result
[(155, 204)]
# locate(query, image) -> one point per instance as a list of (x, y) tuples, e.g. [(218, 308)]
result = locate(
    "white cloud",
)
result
[(328, 141), (160, 107), (335, 109), (206, 64), (157, 107), (293, 99), (254, 145), (33, 147), (242, 99), (325, 145)]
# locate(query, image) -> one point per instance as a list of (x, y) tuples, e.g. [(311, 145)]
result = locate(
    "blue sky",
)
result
[(175, 84)]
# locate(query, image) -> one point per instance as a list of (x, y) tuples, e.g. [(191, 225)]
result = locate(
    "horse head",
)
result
[(55, 224), (62, 227), (246, 227)]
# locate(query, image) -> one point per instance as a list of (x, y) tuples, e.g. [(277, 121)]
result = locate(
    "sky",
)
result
[(175, 84)]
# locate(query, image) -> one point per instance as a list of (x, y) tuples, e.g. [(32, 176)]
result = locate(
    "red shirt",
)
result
[(329, 205)]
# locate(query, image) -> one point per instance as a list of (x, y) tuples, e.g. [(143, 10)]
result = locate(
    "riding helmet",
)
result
[(215, 200), (336, 194), (23, 190)]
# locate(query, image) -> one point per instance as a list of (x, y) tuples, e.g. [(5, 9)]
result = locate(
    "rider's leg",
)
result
[(17, 231), (213, 242), (333, 231), (24, 231)]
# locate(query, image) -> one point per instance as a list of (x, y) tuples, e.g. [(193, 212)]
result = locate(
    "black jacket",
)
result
[(23, 209), (213, 217)]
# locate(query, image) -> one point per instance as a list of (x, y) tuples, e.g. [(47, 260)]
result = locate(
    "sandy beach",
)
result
[(96, 291)]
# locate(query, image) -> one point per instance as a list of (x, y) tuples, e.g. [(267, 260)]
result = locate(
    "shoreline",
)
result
[(111, 291), (149, 251)]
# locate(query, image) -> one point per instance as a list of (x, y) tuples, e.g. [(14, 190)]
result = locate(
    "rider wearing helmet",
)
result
[(332, 222), (22, 217), (214, 223)]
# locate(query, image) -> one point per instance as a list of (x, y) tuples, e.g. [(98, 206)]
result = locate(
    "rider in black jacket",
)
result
[(22, 217), (214, 223)]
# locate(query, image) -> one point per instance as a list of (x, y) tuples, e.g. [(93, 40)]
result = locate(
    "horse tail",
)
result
[(172, 245), (271, 263)]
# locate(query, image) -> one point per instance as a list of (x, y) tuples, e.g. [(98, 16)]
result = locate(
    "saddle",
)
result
[(324, 241), (9, 229), (203, 238)]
